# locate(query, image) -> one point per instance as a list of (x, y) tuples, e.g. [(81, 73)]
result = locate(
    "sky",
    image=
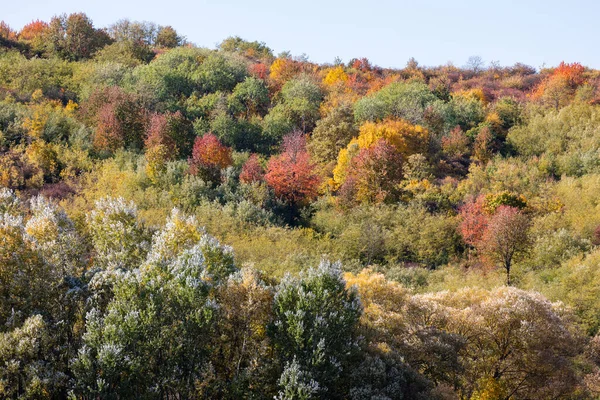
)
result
[(434, 32)]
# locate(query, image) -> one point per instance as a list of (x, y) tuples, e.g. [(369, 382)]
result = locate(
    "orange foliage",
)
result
[(559, 86), (7, 32), (33, 30), (283, 69), (292, 175), (209, 156), (572, 72)]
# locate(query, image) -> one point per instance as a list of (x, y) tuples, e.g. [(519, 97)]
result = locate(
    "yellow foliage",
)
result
[(37, 95), (335, 75), (408, 139), (340, 170), (490, 389), (156, 158), (44, 156), (476, 93), (283, 69), (494, 120)]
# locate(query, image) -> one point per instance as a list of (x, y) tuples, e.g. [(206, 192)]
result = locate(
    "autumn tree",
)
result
[(159, 146), (405, 138), (34, 34), (518, 344), (252, 170), (373, 174), (506, 237), (119, 119), (473, 221), (209, 157), (291, 174), (559, 87)]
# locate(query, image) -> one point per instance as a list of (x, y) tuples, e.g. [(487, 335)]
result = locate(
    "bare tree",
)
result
[(475, 64)]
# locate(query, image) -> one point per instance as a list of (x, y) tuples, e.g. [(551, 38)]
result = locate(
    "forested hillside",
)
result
[(180, 222)]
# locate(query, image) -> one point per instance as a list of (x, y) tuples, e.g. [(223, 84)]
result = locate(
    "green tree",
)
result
[(314, 332)]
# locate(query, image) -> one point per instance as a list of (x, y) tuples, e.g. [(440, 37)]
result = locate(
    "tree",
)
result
[(252, 170), (518, 344), (209, 156), (119, 119), (118, 237), (331, 134), (160, 146), (559, 87), (74, 37), (291, 174), (167, 37), (241, 347), (314, 332), (34, 34), (475, 64), (405, 138), (473, 221), (249, 98), (253, 49), (506, 237), (147, 343), (301, 98), (373, 174)]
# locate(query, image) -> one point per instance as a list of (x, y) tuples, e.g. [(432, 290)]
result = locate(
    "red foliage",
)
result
[(119, 118), (209, 156), (473, 221), (252, 171), (158, 135), (291, 174), (109, 133), (6, 32), (505, 237), (259, 71), (294, 143), (362, 64)]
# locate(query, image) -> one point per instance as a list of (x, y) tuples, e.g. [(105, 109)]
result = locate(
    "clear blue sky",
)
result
[(387, 32)]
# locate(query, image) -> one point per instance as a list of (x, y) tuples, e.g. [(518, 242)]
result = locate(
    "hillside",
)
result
[(182, 222)]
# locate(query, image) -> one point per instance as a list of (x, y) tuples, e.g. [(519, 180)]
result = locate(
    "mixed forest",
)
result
[(179, 222)]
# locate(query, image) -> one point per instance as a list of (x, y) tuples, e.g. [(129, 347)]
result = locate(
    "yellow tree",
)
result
[(406, 138)]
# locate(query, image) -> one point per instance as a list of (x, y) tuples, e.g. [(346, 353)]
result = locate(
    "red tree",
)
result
[(119, 119), (209, 156), (506, 237), (292, 174), (252, 171), (259, 71), (473, 221), (173, 130)]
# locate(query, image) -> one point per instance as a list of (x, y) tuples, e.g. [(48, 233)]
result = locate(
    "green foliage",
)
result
[(566, 138), (314, 331), (104, 131), (399, 99)]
